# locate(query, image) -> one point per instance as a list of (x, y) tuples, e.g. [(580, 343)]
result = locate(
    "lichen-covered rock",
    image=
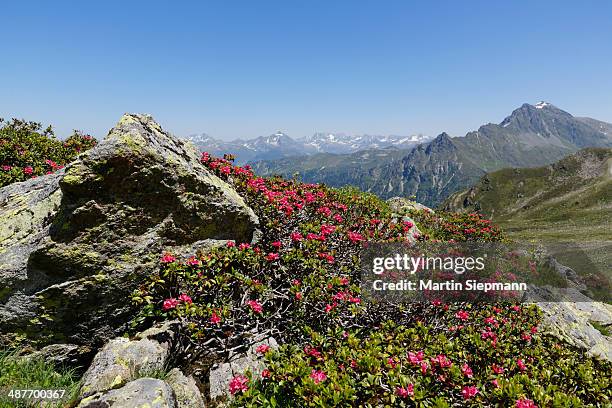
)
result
[(401, 204), (166, 331), (221, 374), (26, 211), (121, 361), (141, 393), (185, 390), (568, 315), (75, 244)]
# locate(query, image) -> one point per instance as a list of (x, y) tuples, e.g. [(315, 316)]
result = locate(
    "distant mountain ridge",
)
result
[(279, 145), (581, 181), (566, 206), (532, 135)]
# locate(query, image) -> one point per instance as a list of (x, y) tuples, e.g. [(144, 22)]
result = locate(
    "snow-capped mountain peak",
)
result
[(200, 138), (343, 143), (279, 144)]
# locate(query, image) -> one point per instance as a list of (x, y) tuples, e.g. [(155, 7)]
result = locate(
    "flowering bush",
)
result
[(441, 365), (448, 226), (300, 284), (27, 150)]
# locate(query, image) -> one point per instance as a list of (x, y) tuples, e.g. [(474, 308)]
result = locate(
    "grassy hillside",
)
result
[(567, 205)]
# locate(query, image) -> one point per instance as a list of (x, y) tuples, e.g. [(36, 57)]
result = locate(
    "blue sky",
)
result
[(246, 68)]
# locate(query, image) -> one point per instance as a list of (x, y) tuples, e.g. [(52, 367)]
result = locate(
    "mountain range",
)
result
[(279, 145), (532, 135)]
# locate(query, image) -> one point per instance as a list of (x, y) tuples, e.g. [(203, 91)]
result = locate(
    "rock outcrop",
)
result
[(569, 315), (122, 360), (185, 389), (75, 244), (401, 205)]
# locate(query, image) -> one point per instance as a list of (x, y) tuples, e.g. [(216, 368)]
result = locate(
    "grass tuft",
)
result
[(23, 373)]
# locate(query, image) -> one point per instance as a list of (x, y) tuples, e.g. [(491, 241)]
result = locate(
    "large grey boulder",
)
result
[(144, 392), (75, 244)]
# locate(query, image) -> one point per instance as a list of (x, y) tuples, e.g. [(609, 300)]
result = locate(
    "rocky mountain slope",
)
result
[(280, 145), (566, 205), (533, 135)]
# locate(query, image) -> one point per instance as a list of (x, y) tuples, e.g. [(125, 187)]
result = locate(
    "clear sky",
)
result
[(248, 68)]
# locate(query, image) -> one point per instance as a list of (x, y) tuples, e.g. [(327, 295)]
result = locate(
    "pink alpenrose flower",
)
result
[(466, 370), (170, 303), (318, 376), (167, 258), (405, 392), (262, 349), (355, 237), (469, 392), (215, 319), (238, 383), (255, 306), (525, 403), (462, 315), (185, 298), (272, 257)]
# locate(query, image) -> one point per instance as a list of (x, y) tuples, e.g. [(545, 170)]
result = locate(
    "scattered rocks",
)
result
[(122, 373), (566, 273), (75, 244), (122, 360)]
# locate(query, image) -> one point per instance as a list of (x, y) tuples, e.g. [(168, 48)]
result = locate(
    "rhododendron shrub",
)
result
[(448, 226), (300, 283), (27, 150), (304, 266), (433, 365)]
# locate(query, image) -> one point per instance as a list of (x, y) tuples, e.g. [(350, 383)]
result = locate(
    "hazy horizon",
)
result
[(243, 70)]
